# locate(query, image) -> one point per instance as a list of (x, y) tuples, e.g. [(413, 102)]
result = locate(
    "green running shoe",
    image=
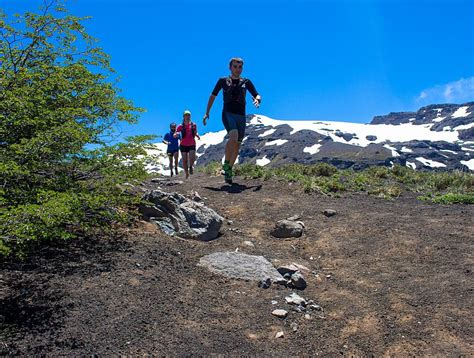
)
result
[(227, 172)]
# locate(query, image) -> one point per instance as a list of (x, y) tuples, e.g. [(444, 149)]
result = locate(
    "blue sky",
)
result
[(325, 60)]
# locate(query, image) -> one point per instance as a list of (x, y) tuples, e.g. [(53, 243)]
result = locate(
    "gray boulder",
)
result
[(240, 266), (177, 215), (287, 229)]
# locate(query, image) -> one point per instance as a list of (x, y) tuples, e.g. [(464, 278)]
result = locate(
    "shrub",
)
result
[(59, 107)]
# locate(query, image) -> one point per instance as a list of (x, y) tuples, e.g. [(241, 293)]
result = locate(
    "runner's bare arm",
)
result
[(209, 106)]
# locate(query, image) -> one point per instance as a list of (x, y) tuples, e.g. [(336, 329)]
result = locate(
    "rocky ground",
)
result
[(386, 278)]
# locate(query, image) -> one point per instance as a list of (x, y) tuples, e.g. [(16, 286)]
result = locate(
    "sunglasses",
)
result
[(237, 66)]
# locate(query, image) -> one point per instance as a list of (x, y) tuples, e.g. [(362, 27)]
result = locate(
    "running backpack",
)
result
[(193, 129), (235, 92)]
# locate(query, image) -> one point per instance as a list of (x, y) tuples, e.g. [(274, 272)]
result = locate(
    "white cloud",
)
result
[(452, 92)]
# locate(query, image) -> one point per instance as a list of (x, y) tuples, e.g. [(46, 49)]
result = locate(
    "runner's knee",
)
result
[(233, 135)]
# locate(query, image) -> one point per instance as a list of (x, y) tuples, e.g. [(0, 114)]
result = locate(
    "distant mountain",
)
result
[(434, 137)]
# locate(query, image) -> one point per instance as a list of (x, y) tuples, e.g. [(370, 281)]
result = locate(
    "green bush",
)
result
[(59, 107), (453, 198), (388, 183)]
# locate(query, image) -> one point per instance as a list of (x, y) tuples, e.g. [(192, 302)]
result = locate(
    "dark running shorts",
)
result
[(187, 148), (233, 121), (171, 152)]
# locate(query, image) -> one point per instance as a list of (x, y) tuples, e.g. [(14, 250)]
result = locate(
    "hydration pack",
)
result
[(193, 129), (235, 92)]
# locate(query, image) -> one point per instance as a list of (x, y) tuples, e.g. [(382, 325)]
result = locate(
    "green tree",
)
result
[(60, 174)]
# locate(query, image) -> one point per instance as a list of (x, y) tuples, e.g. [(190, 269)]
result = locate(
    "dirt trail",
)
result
[(393, 278)]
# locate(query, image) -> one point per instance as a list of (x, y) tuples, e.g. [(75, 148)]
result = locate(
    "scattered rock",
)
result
[(280, 313), (266, 283), (279, 334), (307, 316), (315, 307), (177, 215), (274, 302), (230, 222), (287, 269), (196, 197), (249, 243), (298, 281), (166, 181), (294, 326), (300, 267), (294, 218), (371, 138), (329, 212), (286, 229), (240, 266), (295, 299)]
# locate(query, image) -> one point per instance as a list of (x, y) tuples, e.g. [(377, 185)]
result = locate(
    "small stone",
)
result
[(287, 269), (280, 313), (328, 276), (295, 299), (294, 327), (300, 267), (298, 281), (316, 307), (265, 283), (294, 217), (279, 334), (329, 212), (301, 223), (307, 316), (196, 197), (274, 302), (249, 243), (230, 222), (311, 258), (286, 229)]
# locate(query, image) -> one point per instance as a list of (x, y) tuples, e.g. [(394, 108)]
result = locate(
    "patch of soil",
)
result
[(392, 277)]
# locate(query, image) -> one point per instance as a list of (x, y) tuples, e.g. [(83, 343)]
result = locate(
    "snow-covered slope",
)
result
[(435, 137)]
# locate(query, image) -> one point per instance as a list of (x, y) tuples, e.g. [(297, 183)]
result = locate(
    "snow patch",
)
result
[(263, 161), (393, 149), (468, 163), (313, 149), (406, 150), (277, 142), (448, 151), (438, 119), (267, 133), (404, 132), (411, 165), (430, 163), (210, 138), (464, 126), (461, 112)]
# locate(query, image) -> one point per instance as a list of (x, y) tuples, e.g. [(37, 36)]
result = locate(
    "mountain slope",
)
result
[(435, 137)]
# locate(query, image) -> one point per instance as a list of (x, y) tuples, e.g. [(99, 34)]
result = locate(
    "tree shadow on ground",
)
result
[(235, 188)]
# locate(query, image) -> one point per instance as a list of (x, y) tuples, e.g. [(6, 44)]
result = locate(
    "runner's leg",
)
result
[(176, 160), (192, 158), (184, 155)]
